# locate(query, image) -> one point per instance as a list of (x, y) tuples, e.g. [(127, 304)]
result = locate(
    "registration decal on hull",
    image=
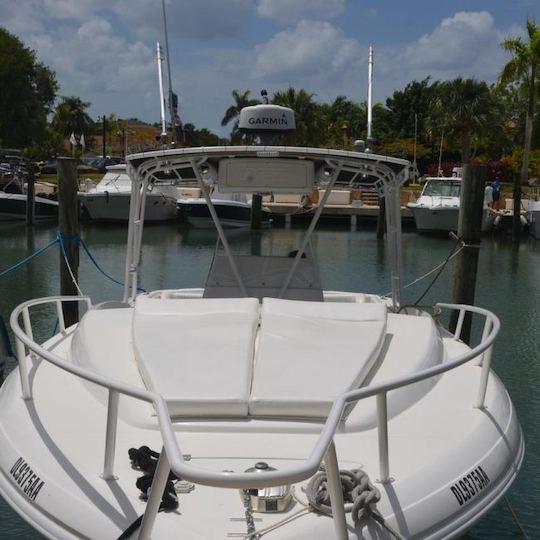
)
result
[(470, 485), (27, 480)]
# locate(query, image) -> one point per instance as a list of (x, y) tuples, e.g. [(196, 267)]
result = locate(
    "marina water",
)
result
[(174, 256)]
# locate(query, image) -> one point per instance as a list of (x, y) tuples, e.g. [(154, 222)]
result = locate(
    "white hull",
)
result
[(115, 206), (443, 218), (450, 462), (533, 217)]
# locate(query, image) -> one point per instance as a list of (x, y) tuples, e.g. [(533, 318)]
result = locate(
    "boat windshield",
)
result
[(442, 188)]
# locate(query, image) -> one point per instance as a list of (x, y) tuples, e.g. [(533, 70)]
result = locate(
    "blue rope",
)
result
[(29, 258), (85, 247), (60, 239)]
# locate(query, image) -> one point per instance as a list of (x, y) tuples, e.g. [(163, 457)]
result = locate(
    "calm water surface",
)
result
[(509, 284)]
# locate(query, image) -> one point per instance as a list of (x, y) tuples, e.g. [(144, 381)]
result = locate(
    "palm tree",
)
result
[(523, 68), (70, 117), (308, 118), (233, 112), (463, 108)]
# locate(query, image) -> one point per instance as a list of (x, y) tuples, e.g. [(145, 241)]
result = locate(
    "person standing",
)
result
[(496, 193)]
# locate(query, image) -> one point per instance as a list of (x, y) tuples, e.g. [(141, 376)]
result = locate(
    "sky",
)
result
[(104, 51)]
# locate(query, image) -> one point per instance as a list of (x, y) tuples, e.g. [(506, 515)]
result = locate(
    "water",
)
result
[(508, 284)]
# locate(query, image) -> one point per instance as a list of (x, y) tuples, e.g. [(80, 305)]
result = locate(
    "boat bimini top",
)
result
[(266, 169)]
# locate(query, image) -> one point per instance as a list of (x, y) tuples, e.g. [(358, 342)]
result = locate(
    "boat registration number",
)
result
[(470, 485), (27, 480)]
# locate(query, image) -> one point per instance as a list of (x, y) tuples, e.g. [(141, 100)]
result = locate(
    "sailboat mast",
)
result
[(161, 97), (369, 103), (439, 171), (171, 106), (415, 168)]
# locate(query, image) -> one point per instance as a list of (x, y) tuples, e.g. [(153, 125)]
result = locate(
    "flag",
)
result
[(81, 141), (72, 139)]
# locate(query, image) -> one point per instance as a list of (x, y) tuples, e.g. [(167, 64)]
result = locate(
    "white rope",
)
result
[(432, 271), (72, 276), (360, 496)]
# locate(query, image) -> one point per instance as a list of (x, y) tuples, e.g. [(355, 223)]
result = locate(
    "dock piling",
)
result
[(469, 230), (68, 229)]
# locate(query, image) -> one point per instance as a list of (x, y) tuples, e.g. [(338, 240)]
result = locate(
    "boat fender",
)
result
[(106, 197)]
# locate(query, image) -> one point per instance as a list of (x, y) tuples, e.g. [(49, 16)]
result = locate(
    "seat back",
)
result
[(311, 352), (197, 353)]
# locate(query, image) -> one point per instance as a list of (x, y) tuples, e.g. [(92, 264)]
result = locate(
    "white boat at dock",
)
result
[(437, 208), (272, 406), (233, 210), (109, 199), (533, 218), (13, 201)]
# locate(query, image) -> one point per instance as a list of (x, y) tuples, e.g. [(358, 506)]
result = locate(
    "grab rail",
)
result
[(323, 450)]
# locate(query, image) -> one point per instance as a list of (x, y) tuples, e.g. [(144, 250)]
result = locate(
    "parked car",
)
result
[(101, 163), (50, 167)]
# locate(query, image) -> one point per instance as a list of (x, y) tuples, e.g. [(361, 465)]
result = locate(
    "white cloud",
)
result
[(311, 50), (67, 9), (98, 65), (206, 20), (20, 17), (467, 43), (104, 52), (287, 11)]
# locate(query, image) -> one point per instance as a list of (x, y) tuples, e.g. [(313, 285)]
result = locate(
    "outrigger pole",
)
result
[(161, 97)]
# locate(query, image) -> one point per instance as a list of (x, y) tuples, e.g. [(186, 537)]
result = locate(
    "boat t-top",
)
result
[(261, 405)]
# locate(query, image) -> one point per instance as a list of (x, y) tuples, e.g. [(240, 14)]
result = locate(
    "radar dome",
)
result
[(271, 119)]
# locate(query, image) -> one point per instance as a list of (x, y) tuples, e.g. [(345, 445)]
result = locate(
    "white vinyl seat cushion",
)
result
[(311, 352), (197, 353)]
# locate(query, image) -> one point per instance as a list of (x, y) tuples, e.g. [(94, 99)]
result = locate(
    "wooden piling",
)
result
[(30, 196), (381, 218), (68, 228), (256, 211), (469, 230)]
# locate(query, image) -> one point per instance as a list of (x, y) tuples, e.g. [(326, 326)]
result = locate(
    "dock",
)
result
[(354, 206)]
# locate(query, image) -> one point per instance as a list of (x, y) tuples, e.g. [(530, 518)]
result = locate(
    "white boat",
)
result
[(533, 218), (13, 207), (13, 201), (233, 210), (109, 200), (263, 383), (437, 208)]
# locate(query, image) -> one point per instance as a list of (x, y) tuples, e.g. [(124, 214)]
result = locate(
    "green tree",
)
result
[(308, 117), (464, 109), (233, 112), (523, 68), (410, 106), (343, 120), (70, 117), (27, 93)]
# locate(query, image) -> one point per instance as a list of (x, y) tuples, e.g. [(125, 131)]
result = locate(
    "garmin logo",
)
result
[(266, 121)]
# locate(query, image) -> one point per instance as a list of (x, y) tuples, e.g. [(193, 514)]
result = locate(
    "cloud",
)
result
[(467, 43), (21, 17), (311, 50), (67, 9), (291, 11), (206, 20), (93, 62)]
